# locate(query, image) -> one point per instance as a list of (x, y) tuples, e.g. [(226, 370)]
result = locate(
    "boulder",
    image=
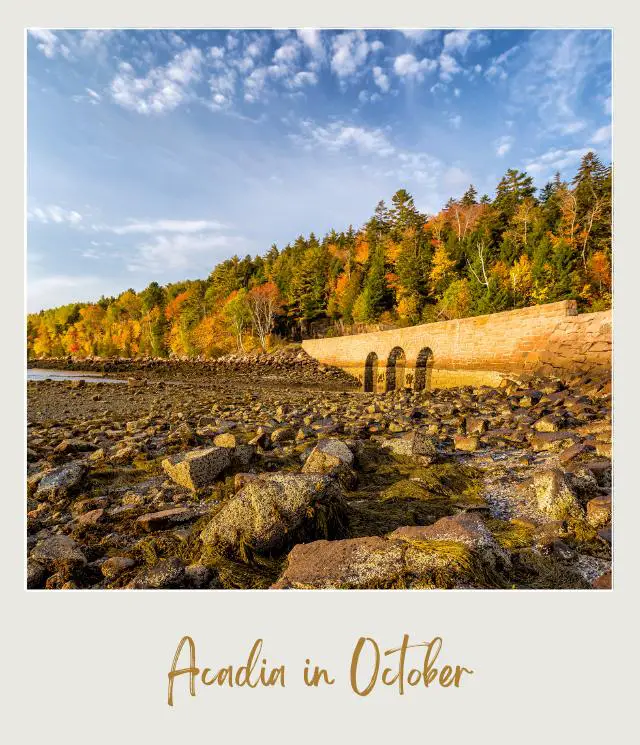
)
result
[(273, 512), (428, 552), (475, 425), (59, 553), (36, 574), (568, 454), (554, 441), (197, 576), (599, 511), (242, 455), (282, 434), (62, 482), (225, 440), (406, 558), (554, 495), (197, 468), (73, 445), (467, 443), (164, 519), (549, 423), (332, 456), (92, 517), (165, 574), (114, 566), (354, 563), (413, 445), (603, 582)]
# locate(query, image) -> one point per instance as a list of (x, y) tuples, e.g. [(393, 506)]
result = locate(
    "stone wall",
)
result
[(550, 339)]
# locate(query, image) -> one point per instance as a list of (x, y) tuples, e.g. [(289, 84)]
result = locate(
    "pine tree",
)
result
[(470, 196)]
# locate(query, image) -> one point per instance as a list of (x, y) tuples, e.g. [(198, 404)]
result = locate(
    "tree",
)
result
[(470, 196), (441, 270), (514, 187), (376, 289), (264, 302), (238, 315), (456, 301)]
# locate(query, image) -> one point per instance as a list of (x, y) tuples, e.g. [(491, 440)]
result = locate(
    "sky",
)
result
[(156, 154)]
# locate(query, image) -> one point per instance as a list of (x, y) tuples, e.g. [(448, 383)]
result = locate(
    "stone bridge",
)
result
[(548, 339)]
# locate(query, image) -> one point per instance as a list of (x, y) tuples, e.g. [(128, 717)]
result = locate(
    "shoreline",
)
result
[(467, 487)]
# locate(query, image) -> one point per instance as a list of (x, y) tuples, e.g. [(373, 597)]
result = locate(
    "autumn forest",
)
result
[(477, 255)]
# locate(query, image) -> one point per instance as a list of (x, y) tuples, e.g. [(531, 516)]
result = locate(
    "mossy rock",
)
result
[(452, 480), (272, 513), (537, 570), (441, 564), (512, 534), (406, 489)]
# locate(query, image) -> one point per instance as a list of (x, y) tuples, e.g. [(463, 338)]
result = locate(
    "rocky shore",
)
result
[(275, 471)]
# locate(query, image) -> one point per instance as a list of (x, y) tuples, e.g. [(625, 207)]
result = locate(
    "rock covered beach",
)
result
[(276, 471)]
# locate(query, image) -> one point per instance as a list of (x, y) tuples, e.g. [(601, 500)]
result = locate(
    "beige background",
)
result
[(91, 666)]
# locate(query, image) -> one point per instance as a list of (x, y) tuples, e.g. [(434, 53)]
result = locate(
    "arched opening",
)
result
[(371, 373), (424, 364), (395, 369)]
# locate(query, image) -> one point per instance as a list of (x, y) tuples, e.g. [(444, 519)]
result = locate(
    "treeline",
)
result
[(402, 267)]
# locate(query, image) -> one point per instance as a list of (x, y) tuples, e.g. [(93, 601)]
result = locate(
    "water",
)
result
[(36, 373)]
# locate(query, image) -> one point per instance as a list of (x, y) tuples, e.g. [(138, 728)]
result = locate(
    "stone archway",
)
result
[(424, 365), (396, 369), (371, 373)]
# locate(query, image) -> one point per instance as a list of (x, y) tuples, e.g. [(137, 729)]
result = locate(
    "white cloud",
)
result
[(378, 157), (496, 69), (341, 136), (223, 86), (255, 84), (418, 35), (455, 121), (462, 39), (555, 160), (503, 145), (568, 127), (162, 89), (93, 38), (349, 52), (180, 251), (312, 39), (50, 44), (448, 66), (381, 79), (457, 41), (407, 66), (559, 70), (287, 53), (601, 135), (54, 214), (302, 78), (166, 226)]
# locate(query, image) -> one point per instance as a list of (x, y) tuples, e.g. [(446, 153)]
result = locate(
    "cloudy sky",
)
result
[(156, 154)]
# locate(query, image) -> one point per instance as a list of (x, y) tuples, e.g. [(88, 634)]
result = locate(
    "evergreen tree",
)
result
[(470, 196)]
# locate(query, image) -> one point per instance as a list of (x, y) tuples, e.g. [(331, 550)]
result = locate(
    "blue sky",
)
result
[(153, 155)]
